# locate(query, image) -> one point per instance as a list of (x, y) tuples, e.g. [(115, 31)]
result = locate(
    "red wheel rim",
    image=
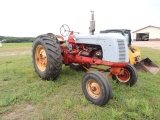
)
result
[(125, 77)]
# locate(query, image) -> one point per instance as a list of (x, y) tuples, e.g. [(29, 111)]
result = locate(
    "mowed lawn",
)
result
[(23, 95)]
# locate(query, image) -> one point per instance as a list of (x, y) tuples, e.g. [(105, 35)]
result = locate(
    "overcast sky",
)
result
[(34, 17)]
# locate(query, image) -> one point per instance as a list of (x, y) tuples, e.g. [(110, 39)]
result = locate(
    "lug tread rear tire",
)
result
[(54, 58)]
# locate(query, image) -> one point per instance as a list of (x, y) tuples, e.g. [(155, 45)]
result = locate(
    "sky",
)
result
[(30, 18)]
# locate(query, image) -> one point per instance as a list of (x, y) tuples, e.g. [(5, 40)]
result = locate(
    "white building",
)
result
[(147, 33)]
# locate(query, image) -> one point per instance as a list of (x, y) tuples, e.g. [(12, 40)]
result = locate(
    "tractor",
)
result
[(141, 64), (50, 52)]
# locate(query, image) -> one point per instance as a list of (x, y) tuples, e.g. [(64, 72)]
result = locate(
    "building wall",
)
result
[(154, 33)]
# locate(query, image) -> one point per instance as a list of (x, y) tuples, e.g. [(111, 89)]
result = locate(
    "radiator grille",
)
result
[(122, 50)]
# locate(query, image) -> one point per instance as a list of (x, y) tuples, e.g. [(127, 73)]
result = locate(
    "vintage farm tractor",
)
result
[(87, 51)]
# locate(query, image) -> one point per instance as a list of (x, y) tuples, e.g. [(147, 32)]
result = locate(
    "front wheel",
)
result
[(96, 88), (129, 77)]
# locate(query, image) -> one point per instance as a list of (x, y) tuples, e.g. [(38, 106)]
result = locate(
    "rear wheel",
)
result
[(46, 56), (96, 88), (129, 77)]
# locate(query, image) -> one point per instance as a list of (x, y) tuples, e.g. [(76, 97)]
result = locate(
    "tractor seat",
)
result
[(60, 39)]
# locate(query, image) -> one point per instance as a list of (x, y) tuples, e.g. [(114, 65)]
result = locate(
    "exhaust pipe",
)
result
[(92, 24)]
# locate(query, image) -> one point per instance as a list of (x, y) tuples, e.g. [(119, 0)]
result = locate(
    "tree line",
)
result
[(5, 39)]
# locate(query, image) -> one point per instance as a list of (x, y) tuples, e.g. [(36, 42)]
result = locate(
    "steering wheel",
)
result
[(64, 30)]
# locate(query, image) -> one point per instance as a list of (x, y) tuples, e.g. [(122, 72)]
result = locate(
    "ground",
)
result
[(149, 44), (128, 103), (22, 114)]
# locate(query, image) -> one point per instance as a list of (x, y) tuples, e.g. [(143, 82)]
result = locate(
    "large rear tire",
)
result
[(129, 77), (96, 88), (46, 56)]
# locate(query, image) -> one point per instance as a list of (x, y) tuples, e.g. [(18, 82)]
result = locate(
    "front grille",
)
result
[(122, 50)]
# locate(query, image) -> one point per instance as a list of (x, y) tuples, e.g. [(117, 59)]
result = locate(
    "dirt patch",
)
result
[(26, 113), (149, 44), (15, 53)]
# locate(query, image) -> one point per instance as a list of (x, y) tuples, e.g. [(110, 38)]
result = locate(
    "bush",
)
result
[(16, 39)]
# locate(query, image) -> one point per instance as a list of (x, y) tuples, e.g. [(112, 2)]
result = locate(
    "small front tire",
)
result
[(96, 88), (129, 77)]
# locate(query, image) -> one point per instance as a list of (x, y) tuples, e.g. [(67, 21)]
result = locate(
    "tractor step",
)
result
[(146, 65)]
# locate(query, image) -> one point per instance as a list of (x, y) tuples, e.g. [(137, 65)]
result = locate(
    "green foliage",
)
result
[(23, 95), (16, 39)]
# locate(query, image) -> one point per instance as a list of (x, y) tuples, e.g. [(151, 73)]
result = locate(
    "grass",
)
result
[(23, 95), (15, 47)]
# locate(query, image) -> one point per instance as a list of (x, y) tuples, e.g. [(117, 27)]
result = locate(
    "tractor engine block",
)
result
[(84, 50), (92, 51)]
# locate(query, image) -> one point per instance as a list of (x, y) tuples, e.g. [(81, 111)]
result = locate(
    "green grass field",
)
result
[(23, 95)]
